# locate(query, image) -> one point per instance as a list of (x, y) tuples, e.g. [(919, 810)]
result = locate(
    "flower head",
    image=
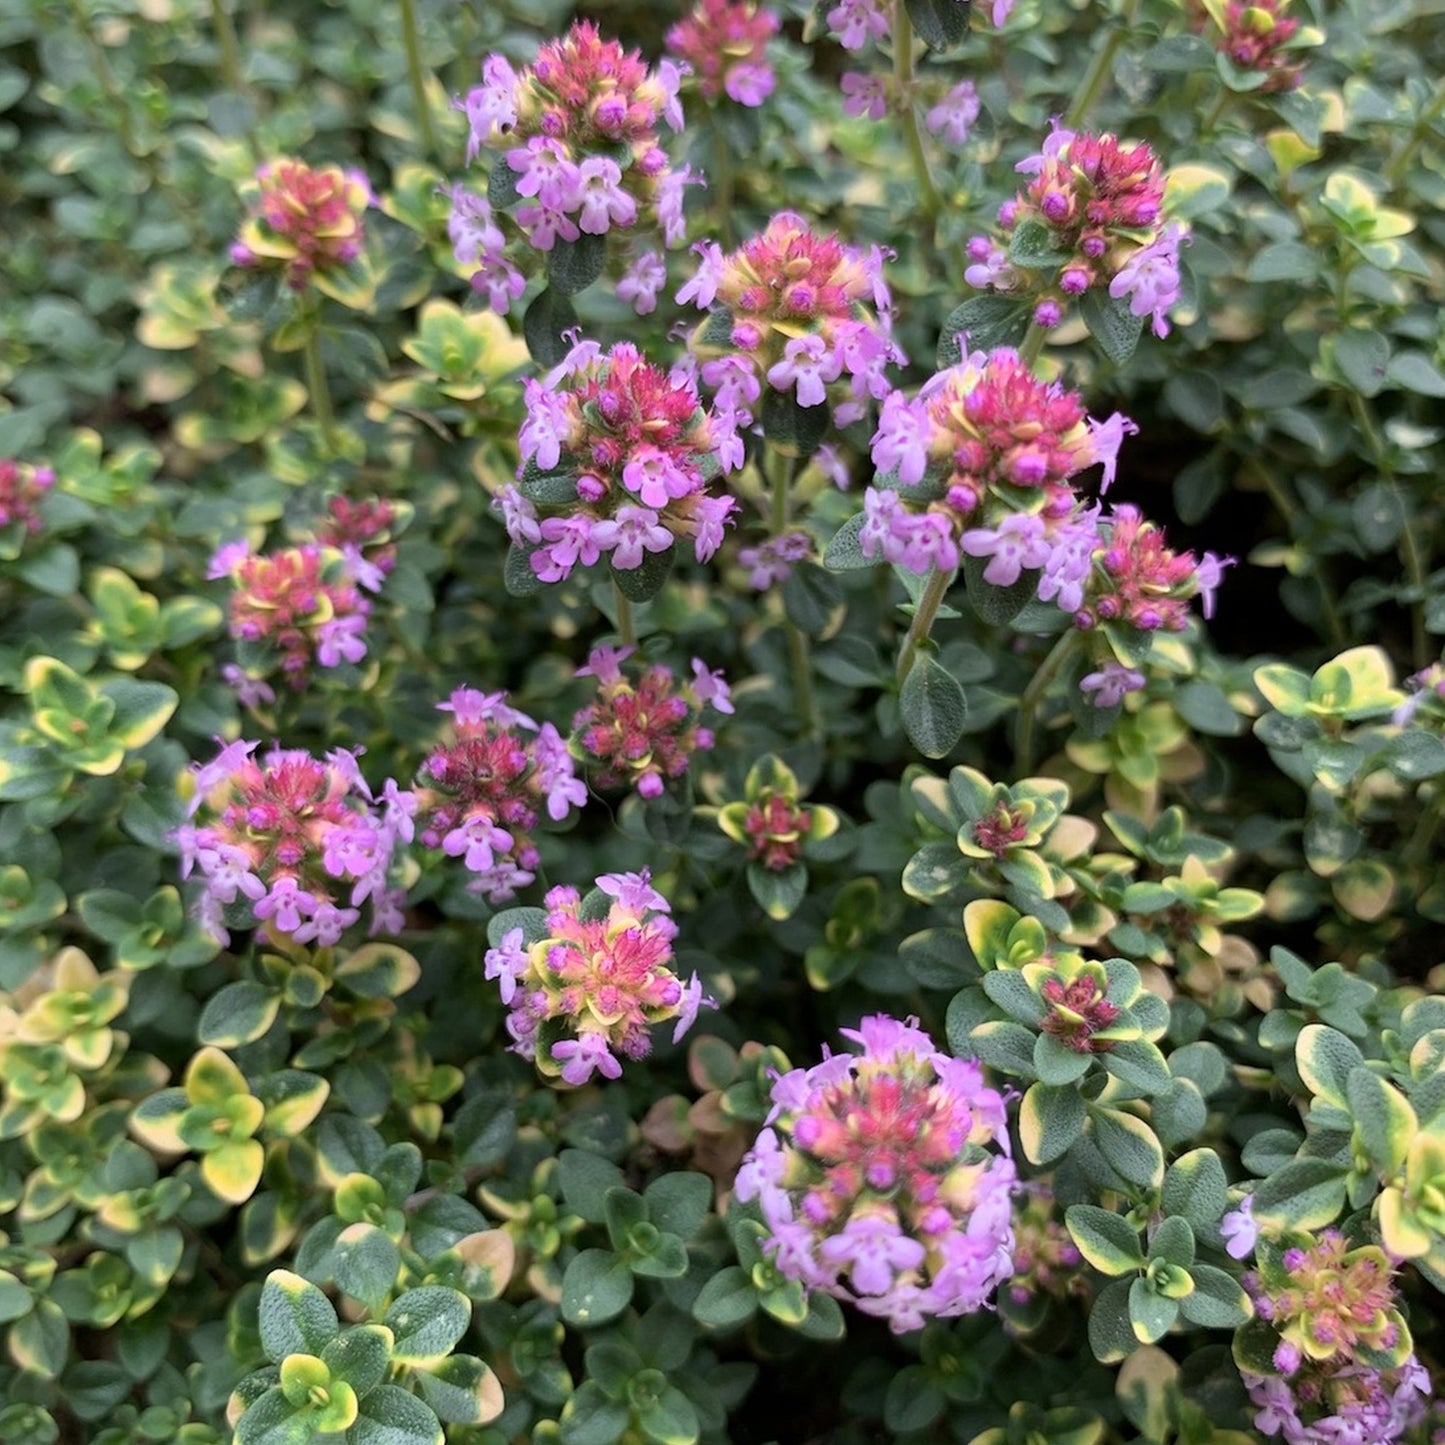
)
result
[(793, 306), (644, 732), (300, 841), (724, 45), (307, 220), (479, 794), (587, 990), (1255, 36), (578, 136), (299, 607), (1099, 204), (636, 450), (22, 489), (1344, 1366), (884, 1177)]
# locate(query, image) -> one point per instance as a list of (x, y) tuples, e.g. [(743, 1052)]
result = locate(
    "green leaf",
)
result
[(462, 1390), (365, 1263), (1218, 1301), (518, 577), (596, 1288), (1111, 324), (997, 605), (272, 1420), (590, 1418), (811, 598), (1054, 1061), (484, 1129), (670, 1419), (1305, 1194), (427, 1323), (932, 706), (295, 1317), (391, 1416), (1362, 357), (1385, 1124), (787, 423), (1111, 1335), (584, 1179), (844, 553), (238, 1014), (360, 1356), (1150, 1314), (1050, 1121), (643, 582), (778, 894), (1129, 1146), (1325, 1059), (1107, 1240), (939, 24), (40, 1340), (727, 1301), (547, 317), (572, 266), (982, 324), (1195, 1189), (679, 1202), (1032, 247)]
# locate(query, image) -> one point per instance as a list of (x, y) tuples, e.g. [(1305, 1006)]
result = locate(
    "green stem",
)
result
[(1289, 511), (1410, 553), (626, 622), (720, 182), (1033, 343), (1221, 104), (231, 73), (1394, 171), (1048, 670), (783, 472), (923, 616), (1100, 69), (929, 197), (316, 385), (417, 76)]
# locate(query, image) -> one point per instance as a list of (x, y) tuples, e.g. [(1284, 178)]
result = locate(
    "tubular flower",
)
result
[(1343, 1366), (644, 733), (479, 795), (595, 980), (884, 1177), (362, 533), (310, 221), (618, 455), (725, 45), (579, 143), (22, 489), (301, 603), (301, 843), (793, 308), (1099, 204)]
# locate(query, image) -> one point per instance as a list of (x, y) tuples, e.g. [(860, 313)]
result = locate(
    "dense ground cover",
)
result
[(721, 725)]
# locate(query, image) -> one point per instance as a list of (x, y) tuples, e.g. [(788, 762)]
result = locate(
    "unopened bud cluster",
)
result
[(307, 221)]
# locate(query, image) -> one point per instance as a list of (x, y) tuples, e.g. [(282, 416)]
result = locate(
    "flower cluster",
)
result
[(578, 132), (1346, 1370), (595, 980), (303, 604), (308, 220), (884, 1177), (362, 532), (304, 843), (771, 562), (619, 454), (640, 734), (792, 307), (22, 489), (1255, 35), (479, 795), (724, 43), (983, 461), (1098, 205), (1046, 1260)]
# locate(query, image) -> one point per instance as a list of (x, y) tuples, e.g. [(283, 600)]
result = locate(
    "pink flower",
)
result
[(603, 202), (864, 95), (641, 282), (806, 368), (954, 116)]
